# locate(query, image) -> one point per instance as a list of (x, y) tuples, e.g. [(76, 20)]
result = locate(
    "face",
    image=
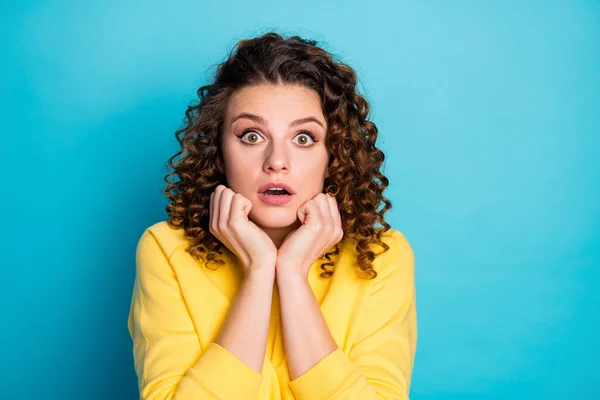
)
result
[(275, 133)]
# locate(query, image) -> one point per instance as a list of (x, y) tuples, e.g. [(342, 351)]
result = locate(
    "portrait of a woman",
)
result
[(275, 275)]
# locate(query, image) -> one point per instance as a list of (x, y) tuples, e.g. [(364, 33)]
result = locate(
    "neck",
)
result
[(278, 235)]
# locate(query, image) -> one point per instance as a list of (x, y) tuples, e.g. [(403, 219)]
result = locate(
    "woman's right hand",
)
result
[(230, 224)]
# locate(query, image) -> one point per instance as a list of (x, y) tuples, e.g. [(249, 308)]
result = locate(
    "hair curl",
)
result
[(354, 177)]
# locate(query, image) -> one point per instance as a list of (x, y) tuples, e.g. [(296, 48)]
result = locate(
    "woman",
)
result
[(269, 280)]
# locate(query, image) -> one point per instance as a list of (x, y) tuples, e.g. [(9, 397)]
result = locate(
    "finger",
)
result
[(302, 213), (324, 207), (330, 222), (324, 210), (333, 208), (247, 206), (313, 215), (225, 208), (336, 215), (211, 210), (217, 204), (239, 207)]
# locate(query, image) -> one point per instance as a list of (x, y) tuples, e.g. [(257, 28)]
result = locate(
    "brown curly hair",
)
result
[(354, 176)]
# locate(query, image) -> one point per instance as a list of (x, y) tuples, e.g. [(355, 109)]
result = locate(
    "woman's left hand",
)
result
[(320, 230)]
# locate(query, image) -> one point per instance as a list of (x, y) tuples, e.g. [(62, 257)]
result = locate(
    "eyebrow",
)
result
[(261, 120)]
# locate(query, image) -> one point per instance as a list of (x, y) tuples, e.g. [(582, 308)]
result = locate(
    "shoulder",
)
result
[(167, 238), (395, 280)]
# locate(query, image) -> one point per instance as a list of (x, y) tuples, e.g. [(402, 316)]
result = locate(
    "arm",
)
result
[(250, 314), (306, 336), (168, 359), (380, 362)]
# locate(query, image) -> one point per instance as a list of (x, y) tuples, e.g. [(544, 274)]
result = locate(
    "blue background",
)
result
[(489, 113)]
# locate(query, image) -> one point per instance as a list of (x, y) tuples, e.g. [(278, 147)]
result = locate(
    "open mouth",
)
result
[(276, 192)]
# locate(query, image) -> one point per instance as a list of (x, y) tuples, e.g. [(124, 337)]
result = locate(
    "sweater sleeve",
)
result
[(380, 362), (169, 362)]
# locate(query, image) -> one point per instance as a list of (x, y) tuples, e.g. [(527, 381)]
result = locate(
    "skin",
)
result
[(277, 154), (276, 243)]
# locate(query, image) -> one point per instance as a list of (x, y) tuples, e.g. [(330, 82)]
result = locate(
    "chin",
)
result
[(273, 217)]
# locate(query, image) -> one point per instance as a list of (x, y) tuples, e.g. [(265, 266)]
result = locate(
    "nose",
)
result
[(276, 158)]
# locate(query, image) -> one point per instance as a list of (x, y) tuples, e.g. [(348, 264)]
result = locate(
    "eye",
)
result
[(306, 139), (251, 136)]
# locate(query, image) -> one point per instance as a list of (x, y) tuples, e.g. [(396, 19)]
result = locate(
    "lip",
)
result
[(275, 200), (275, 185)]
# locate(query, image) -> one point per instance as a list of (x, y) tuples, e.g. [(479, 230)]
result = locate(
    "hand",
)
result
[(321, 229), (230, 224)]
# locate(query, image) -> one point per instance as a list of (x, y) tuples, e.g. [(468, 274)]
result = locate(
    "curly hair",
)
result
[(354, 175)]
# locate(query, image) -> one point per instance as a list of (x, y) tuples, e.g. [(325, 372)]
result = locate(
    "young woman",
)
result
[(270, 280)]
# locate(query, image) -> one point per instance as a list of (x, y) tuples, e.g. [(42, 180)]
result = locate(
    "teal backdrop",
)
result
[(489, 115)]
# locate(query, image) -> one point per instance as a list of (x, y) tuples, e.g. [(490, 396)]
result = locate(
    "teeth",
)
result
[(275, 190)]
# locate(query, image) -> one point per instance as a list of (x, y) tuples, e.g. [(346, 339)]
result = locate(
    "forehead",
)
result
[(276, 102)]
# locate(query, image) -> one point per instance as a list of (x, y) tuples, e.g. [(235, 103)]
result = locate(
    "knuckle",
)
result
[(231, 222)]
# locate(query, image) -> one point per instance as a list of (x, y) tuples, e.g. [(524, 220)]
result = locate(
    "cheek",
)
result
[(314, 177), (240, 175), (237, 175)]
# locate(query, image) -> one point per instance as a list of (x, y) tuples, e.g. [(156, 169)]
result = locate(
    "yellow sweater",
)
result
[(178, 307)]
